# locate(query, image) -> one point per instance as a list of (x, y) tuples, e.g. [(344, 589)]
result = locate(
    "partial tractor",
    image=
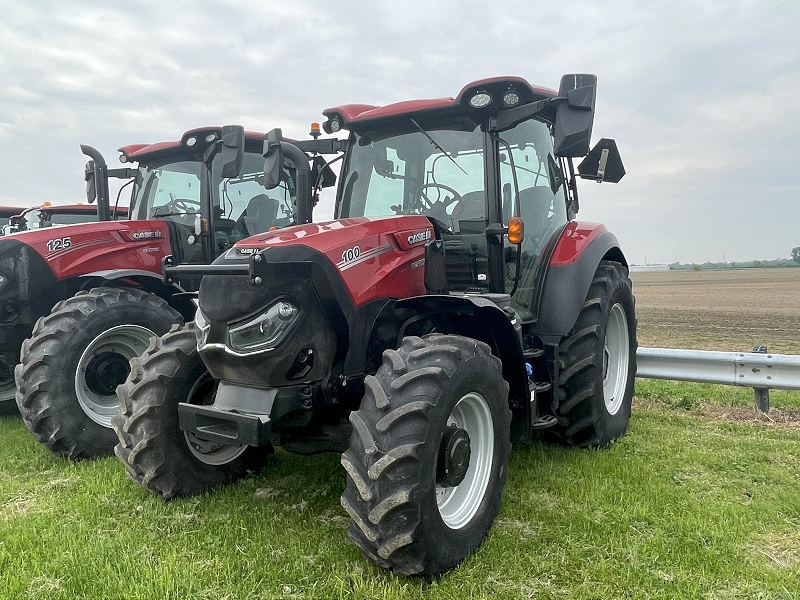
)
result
[(95, 292), (454, 307), (6, 213), (51, 215)]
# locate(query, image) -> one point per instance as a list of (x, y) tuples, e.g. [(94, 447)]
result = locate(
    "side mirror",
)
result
[(91, 186), (575, 116), (232, 150), (603, 163), (273, 159)]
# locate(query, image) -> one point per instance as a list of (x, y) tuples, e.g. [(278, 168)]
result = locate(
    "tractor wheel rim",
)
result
[(102, 366), (208, 452), (616, 358), (458, 505)]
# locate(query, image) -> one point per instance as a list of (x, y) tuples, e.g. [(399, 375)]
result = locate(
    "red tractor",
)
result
[(95, 291), (49, 215), (6, 213), (454, 307)]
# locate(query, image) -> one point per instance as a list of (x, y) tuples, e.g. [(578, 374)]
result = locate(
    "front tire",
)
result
[(597, 362), (157, 454), (427, 459), (72, 363)]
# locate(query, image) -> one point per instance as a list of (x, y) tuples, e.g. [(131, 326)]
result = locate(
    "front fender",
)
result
[(480, 318)]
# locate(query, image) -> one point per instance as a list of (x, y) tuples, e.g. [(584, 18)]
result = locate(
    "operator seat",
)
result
[(261, 214)]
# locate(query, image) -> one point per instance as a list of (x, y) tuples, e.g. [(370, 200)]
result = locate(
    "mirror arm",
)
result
[(211, 152), (323, 146), (121, 173), (573, 207), (509, 117)]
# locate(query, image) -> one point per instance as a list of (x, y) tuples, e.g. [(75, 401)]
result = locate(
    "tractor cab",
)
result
[(470, 165), (398, 170), (208, 188)]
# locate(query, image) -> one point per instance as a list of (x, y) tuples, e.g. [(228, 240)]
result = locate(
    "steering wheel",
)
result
[(440, 207), (182, 205)]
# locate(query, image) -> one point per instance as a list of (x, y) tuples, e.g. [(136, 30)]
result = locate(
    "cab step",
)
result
[(541, 387), (544, 422)]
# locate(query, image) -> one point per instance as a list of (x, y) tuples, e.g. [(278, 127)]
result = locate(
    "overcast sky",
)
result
[(703, 98)]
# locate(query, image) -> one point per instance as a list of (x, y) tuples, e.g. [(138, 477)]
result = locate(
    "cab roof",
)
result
[(10, 211), (360, 116), (140, 152)]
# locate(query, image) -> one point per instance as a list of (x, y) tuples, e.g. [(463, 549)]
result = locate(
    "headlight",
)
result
[(201, 328), (480, 100), (3, 280), (265, 331)]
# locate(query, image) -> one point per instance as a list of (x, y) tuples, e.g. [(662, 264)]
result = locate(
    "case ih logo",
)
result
[(422, 236), (146, 235), (246, 250)]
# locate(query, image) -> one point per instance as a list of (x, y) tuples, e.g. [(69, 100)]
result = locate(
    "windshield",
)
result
[(407, 174), (167, 188), (244, 203), (174, 190)]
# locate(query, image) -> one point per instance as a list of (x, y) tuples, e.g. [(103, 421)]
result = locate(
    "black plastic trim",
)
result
[(565, 288)]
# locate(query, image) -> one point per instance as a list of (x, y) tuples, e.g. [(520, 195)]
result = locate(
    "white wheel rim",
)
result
[(458, 505), (616, 358), (207, 452), (125, 341)]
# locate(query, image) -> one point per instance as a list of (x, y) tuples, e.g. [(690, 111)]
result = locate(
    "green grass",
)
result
[(686, 505)]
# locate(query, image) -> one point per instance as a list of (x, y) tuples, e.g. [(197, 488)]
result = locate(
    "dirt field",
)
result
[(731, 310)]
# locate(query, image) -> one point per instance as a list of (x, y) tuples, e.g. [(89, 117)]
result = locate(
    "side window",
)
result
[(523, 166)]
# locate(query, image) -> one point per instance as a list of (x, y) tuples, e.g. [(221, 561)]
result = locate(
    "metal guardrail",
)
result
[(759, 370)]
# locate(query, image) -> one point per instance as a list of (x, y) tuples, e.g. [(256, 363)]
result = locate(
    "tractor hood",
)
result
[(318, 277), (373, 257), (75, 250)]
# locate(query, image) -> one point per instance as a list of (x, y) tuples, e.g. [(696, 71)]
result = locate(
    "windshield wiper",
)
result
[(438, 147)]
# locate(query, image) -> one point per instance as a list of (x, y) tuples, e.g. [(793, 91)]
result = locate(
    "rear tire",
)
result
[(597, 363), (72, 363), (406, 516), (157, 454)]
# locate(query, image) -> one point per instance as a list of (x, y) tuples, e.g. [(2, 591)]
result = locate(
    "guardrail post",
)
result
[(761, 394)]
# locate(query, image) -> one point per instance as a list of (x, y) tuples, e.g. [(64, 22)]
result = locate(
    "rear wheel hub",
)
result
[(454, 453), (104, 365), (105, 372)]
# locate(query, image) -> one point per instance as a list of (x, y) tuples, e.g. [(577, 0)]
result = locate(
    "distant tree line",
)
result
[(751, 264), (794, 261)]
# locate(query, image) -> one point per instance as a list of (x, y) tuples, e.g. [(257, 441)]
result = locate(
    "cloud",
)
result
[(700, 96)]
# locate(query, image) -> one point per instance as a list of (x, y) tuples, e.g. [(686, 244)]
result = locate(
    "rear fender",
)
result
[(482, 319), (573, 263)]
